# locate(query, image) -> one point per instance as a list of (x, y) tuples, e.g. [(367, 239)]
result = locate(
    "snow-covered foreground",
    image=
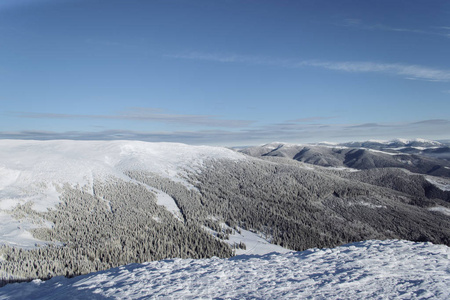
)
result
[(370, 269)]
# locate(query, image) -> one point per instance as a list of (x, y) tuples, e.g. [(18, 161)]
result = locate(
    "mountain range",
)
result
[(75, 207)]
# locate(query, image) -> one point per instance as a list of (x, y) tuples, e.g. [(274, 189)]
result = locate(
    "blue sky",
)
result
[(228, 72)]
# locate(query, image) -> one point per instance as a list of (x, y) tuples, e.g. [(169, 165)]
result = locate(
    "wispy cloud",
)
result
[(416, 72), (310, 119), (443, 31), (148, 115), (287, 131), (433, 122), (369, 125)]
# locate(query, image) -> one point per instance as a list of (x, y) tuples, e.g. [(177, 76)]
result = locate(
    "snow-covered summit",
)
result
[(77, 161), (24, 164)]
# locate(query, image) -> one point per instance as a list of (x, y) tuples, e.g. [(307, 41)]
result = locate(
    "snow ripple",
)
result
[(364, 270)]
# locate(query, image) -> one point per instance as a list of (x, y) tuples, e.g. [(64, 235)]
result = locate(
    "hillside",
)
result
[(75, 207)]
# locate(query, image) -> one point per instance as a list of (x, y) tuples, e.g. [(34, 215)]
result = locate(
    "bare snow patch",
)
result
[(256, 244), (366, 204), (441, 209), (440, 182), (343, 169), (168, 202), (16, 233), (370, 205)]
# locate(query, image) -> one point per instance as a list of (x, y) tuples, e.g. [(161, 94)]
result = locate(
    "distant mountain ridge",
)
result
[(401, 145), (395, 143), (418, 156)]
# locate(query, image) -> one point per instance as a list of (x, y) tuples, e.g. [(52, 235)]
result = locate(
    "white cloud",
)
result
[(406, 71)]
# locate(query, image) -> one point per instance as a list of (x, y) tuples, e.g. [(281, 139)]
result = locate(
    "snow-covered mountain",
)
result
[(32, 172), (418, 156), (422, 147), (82, 206), (367, 270), (78, 162)]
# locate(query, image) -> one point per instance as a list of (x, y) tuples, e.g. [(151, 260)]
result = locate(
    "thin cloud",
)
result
[(435, 30), (310, 119), (148, 115), (406, 71), (367, 125), (289, 132), (433, 122)]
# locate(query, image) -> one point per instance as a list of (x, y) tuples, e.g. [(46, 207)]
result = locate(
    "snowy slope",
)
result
[(256, 244), (32, 171), (78, 161), (367, 270)]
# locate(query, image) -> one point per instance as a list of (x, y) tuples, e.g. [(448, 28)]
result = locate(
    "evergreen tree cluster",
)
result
[(120, 224), (301, 208)]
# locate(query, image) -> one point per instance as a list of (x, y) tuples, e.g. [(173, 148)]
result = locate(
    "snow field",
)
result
[(365, 270)]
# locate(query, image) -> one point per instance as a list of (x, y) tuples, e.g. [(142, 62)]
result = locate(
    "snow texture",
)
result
[(366, 270)]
